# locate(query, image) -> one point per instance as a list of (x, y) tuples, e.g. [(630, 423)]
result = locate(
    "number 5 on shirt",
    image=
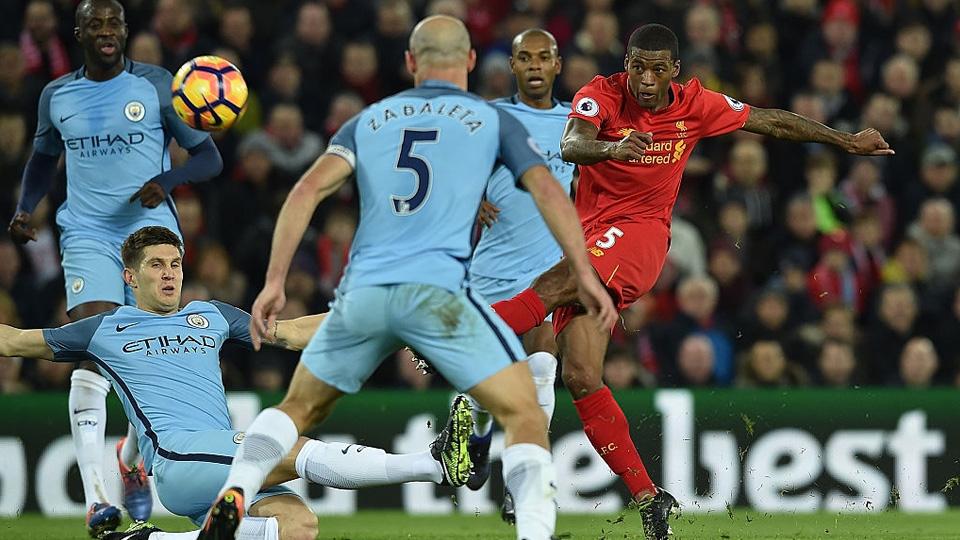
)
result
[(420, 167), (609, 238)]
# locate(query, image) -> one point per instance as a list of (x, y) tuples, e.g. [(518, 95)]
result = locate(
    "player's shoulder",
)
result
[(608, 84), (150, 71), (51, 87)]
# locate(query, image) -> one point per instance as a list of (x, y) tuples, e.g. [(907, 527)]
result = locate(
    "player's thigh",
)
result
[(309, 399), (628, 257), (93, 271), (509, 395), (458, 332), (296, 520), (541, 339), (352, 340)]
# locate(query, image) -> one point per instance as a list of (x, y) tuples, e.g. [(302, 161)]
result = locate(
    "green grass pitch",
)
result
[(739, 524)]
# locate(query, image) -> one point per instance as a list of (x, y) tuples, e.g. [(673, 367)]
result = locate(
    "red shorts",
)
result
[(628, 256)]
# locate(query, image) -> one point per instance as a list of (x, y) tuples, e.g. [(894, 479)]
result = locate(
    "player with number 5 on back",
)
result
[(631, 134), (422, 158)]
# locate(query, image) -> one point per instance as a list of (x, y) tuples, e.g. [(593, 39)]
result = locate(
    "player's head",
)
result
[(153, 268), (535, 62), (440, 48), (651, 62), (102, 32)]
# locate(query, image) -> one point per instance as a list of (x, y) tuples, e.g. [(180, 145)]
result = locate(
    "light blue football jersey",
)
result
[(422, 159), (166, 369), (115, 134), (520, 243)]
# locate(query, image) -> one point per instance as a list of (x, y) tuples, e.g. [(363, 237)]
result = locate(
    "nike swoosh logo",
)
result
[(65, 118), (78, 411), (125, 326), (344, 451)]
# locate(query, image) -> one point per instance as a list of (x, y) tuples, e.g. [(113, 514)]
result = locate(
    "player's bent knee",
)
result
[(581, 380)]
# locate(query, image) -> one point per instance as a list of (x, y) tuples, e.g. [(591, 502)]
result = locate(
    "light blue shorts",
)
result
[(93, 271), (188, 483), (497, 289), (458, 332)]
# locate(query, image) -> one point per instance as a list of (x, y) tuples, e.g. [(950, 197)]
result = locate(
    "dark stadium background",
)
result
[(800, 266)]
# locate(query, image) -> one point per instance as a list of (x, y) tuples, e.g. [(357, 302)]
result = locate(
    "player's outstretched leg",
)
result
[(527, 464), (137, 496), (88, 419)]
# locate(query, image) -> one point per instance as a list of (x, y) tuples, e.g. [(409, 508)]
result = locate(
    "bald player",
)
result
[(421, 159)]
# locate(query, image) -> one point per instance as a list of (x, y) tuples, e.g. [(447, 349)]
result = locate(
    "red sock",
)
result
[(609, 433), (523, 312)]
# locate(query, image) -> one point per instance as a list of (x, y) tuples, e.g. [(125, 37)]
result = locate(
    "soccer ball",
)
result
[(209, 93)]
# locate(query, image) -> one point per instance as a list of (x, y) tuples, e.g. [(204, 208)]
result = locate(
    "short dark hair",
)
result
[(86, 5), (654, 37), (136, 243)]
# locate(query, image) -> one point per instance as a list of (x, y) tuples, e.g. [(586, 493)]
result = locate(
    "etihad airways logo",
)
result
[(108, 144), (662, 152), (169, 345)]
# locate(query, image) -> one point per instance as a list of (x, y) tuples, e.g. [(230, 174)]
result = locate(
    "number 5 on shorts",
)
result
[(609, 238)]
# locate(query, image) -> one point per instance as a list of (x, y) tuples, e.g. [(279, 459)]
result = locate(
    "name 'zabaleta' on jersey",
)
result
[(115, 135), (166, 369), (520, 235), (422, 159)]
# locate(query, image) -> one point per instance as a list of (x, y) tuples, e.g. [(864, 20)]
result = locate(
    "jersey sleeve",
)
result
[(518, 150), (47, 138), (720, 113), (344, 142), (238, 321), (162, 81), (71, 342), (594, 103)]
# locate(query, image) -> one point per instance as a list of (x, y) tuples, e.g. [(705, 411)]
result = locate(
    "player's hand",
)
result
[(151, 194), (488, 213), (20, 230), (596, 300), (869, 142), (263, 316), (632, 147)]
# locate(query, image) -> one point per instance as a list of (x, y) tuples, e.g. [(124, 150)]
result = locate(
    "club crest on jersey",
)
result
[(76, 286), (734, 104), (239, 436), (197, 321), (587, 106), (134, 111)]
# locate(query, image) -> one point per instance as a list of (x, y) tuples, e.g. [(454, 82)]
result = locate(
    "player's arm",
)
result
[(579, 144), (794, 127), (294, 334), (204, 163), (25, 343)]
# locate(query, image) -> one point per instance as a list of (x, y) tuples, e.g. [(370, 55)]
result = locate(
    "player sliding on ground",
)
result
[(631, 135), (164, 363), (422, 158)]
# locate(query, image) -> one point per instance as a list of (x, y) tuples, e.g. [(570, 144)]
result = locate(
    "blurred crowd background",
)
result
[(791, 265)]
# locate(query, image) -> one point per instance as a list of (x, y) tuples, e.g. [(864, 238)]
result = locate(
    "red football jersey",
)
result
[(646, 188)]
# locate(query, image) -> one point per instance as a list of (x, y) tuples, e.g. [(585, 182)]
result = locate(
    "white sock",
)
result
[(482, 420), (530, 478), (88, 420), (353, 466), (269, 438), (129, 453), (543, 367), (251, 528)]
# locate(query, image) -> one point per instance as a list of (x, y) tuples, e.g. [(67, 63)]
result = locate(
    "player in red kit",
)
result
[(631, 135)]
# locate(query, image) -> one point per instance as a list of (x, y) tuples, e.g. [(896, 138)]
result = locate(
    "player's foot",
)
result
[(224, 517), (508, 512), (420, 363), (137, 498), (102, 518), (450, 446), (655, 513), (139, 530), (479, 448)]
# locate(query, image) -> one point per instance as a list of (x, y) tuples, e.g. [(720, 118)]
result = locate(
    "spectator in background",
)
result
[(599, 38), (760, 43), (913, 40), (284, 81), (837, 364), (237, 30), (726, 267), (745, 179), (315, 50), (636, 333), (934, 231), (864, 191), (16, 283), (946, 127), (621, 371), (578, 70), (834, 280), (394, 23), (867, 253), (174, 23), (886, 337), (947, 340), (13, 143), (333, 248), (193, 226), (145, 48), (344, 106), (827, 81), (45, 56), (918, 363), (695, 362), (938, 178), (769, 320), (292, 148), (359, 70), (766, 366), (697, 301), (687, 253), (215, 272), (17, 91), (798, 240), (703, 32), (10, 367), (496, 77), (829, 206)]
